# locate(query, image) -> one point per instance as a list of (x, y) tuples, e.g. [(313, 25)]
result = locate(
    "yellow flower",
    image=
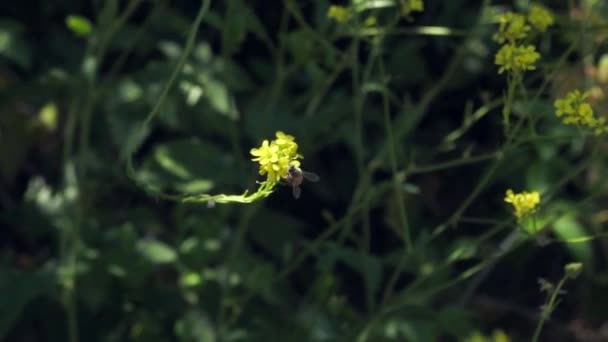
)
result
[(512, 27), (370, 21), (516, 58), (497, 336), (409, 6), (500, 336), (524, 202), (276, 156), (540, 17), (575, 110), (340, 14)]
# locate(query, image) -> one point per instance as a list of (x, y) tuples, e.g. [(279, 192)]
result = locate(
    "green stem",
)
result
[(71, 308), (506, 111), (451, 163), (397, 181), (548, 308), (358, 102)]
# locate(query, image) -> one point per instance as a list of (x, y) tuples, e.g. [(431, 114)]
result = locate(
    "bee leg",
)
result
[(296, 192)]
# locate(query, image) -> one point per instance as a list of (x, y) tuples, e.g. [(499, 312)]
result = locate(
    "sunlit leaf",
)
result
[(79, 25), (156, 252), (12, 43), (569, 228)]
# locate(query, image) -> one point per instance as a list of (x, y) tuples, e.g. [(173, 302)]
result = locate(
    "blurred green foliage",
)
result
[(406, 237)]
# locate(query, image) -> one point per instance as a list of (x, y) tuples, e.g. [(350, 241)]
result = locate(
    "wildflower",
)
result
[(500, 336), (516, 58), (512, 28), (276, 156), (340, 14), (575, 110), (409, 6), (540, 17), (497, 336), (524, 202)]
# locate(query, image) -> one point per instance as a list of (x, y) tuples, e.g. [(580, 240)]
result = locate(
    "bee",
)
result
[(295, 177)]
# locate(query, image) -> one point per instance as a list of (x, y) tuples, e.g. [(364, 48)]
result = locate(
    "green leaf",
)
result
[(219, 98), (195, 326), (156, 252), (12, 45), (273, 234), (462, 249), (79, 25), (568, 229), (367, 265), (362, 5), (456, 321), (18, 289), (189, 167)]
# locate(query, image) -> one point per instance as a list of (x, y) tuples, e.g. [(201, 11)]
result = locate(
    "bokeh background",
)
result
[(399, 114)]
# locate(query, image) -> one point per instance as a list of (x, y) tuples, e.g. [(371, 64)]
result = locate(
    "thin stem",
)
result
[(451, 164), (397, 181), (71, 308), (161, 100), (548, 308)]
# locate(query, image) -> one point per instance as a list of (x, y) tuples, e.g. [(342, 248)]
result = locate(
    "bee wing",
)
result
[(313, 177), (296, 192)]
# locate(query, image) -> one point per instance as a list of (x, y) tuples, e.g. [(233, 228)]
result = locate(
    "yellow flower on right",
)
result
[(540, 17), (512, 27), (574, 109), (524, 202), (340, 14), (497, 336), (409, 6)]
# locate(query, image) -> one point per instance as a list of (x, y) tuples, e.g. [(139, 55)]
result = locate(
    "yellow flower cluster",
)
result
[(524, 202), (540, 17), (575, 110), (514, 56), (340, 14), (276, 156), (409, 6), (512, 27), (497, 336)]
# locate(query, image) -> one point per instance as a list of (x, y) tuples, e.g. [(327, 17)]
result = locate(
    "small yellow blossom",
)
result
[(340, 14), (370, 21), (409, 6), (516, 58), (524, 202), (575, 110), (500, 336), (276, 156), (497, 336), (540, 17), (512, 27)]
